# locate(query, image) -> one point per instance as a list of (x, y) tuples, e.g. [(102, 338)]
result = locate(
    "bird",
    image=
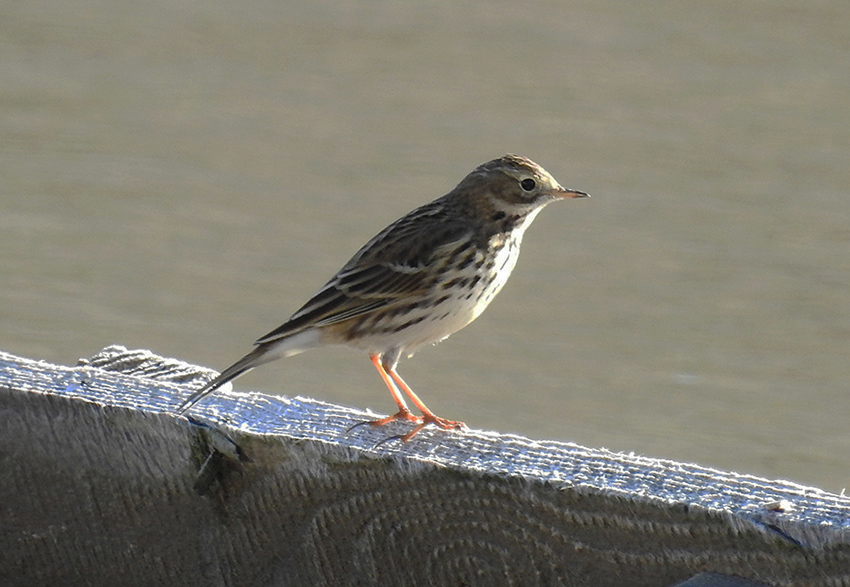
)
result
[(421, 279)]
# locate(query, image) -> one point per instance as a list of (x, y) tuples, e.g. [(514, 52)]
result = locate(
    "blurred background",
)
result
[(182, 176)]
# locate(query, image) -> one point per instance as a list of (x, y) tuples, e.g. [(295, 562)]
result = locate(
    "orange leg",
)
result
[(403, 411), (393, 379)]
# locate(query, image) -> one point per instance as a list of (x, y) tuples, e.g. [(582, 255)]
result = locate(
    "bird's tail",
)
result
[(256, 357)]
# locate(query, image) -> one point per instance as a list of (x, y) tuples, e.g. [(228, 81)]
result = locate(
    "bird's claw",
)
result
[(419, 421)]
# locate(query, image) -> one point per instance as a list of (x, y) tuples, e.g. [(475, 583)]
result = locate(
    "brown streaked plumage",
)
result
[(424, 277)]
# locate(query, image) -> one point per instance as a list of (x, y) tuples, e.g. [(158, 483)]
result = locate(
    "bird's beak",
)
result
[(563, 192)]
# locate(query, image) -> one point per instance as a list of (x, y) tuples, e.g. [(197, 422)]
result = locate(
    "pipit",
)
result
[(424, 277)]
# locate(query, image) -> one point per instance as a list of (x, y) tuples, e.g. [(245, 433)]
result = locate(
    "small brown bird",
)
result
[(421, 279)]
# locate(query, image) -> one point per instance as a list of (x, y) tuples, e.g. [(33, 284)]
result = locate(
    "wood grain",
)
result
[(101, 483)]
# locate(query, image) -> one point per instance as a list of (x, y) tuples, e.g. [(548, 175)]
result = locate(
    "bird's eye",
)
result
[(528, 184)]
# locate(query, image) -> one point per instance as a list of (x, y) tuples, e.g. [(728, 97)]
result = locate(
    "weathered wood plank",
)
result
[(99, 488)]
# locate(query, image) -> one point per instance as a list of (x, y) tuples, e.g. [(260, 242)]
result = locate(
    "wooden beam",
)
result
[(102, 485)]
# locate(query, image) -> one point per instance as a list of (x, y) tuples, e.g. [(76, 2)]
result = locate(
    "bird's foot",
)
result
[(403, 414), (419, 421), (422, 423), (442, 422)]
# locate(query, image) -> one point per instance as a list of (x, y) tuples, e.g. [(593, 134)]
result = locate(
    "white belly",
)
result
[(452, 308)]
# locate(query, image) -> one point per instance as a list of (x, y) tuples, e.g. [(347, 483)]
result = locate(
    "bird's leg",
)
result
[(403, 411), (428, 416)]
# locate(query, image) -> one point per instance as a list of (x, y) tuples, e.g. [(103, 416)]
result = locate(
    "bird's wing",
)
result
[(391, 269)]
